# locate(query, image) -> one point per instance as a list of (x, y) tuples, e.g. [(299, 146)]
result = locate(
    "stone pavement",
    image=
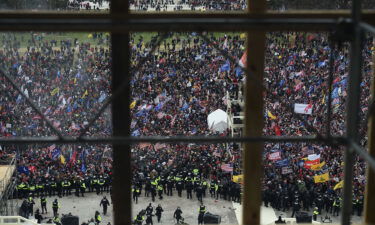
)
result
[(84, 207), (230, 212), (189, 208)]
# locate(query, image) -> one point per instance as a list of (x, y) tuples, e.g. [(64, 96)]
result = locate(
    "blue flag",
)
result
[(56, 153), (225, 67), (23, 169), (83, 168)]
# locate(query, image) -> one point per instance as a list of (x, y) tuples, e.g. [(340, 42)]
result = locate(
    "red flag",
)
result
[(74, 157), (277, 130), (243, 60)]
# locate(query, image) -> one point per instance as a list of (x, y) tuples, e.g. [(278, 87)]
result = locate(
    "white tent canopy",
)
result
[(217, 120)]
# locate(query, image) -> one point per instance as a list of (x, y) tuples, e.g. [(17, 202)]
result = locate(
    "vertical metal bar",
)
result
[(252, 156), (370, 186), (352, 129), (121, 119), (330, 81)]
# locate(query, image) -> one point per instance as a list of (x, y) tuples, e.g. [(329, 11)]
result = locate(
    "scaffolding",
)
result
[(120, 22)]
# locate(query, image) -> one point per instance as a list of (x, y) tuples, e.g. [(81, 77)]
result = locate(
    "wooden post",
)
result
[(370, 187), (121, 119), (252, 157)]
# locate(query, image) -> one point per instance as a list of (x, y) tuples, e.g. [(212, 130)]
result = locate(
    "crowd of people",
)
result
[(181, 82), (194, 5)]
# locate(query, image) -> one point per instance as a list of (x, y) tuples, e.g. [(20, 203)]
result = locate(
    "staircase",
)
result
[(8, 206)]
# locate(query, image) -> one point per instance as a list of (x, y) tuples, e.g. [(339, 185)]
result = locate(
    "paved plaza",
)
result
[(230, 212)]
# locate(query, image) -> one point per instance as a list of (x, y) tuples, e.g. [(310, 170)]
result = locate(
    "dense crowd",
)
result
[(173, 92), (68, 81)]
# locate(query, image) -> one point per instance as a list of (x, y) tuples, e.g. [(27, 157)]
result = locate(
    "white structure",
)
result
[(218, 120), (19, 220)]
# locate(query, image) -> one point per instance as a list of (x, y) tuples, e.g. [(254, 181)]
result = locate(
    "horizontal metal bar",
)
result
[(166, 139), (367, 27), (363, 154), (166, 24)]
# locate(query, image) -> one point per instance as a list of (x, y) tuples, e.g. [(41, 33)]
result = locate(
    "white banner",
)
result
[(303, 108), (274, 156)]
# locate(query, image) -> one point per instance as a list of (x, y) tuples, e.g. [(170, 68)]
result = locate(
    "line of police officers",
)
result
[(191, 182), (61, 187), (282, 199)]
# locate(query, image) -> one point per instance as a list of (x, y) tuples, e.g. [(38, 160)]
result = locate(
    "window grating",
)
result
[(120, 22)]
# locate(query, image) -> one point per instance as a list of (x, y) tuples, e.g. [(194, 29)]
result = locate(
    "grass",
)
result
[(83, 37)]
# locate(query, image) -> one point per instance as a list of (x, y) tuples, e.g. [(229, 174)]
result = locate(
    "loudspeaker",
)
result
[(303, 217)]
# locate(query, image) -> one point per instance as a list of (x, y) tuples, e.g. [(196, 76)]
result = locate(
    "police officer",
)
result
[(359, 205), (101, 183), (336, 207), (105, 203), (160, 191), (158, 213), (153, 192), (170, 185), (199, 191), (177, 214), (56, 219), (32, 189), (354, 203), (43, 203), (212, 189), (53, 187), (149, 209), (31, 204), (204, 187), (296, 208), (149, 219), (65, 187), (82, 185), (139, 219), (38, 217), (147, 187), (98, 218), (189, 188), (135, 194), (55, 207), (202, 209), (47, 188), (315, 214), (39, 188), (179, 187)]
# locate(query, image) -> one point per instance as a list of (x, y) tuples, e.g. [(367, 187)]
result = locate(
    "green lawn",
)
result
[(84, 36)]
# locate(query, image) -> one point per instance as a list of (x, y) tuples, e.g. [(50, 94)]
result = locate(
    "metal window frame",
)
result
[(256, 21)]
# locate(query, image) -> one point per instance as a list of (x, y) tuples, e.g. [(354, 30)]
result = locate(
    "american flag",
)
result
[(50, 148), (227, 167), (158, 146)]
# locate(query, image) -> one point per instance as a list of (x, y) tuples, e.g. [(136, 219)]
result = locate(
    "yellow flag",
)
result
[(62, 159), (271, 116), (238, 179), (318, 166), (324, 99), (321, 178), (54, 91), (339, 185), (132, 105), (85, 94)]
